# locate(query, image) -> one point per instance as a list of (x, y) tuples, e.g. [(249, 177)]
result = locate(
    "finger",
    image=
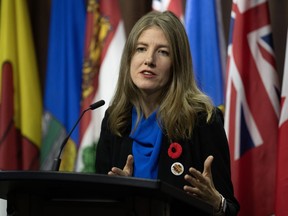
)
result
[(113, 171), (197, 175), (117, 171), (193, 181), (207, 166), (130, 160), (110, 173), (191, 190)]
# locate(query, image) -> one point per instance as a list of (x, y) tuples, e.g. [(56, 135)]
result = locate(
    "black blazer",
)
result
[(207, 139)]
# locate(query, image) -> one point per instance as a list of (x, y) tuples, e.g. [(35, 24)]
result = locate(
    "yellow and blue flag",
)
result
[(62, 94)]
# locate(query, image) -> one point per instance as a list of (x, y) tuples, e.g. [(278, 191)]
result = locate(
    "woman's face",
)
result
[(150, 67)]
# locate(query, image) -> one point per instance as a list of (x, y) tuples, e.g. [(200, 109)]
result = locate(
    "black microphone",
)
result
[(57, 160)]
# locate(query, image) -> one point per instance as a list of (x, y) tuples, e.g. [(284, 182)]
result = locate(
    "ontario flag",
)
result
[(20, 94), (104, 42), (176, 6), (252, 107), (281, 208)]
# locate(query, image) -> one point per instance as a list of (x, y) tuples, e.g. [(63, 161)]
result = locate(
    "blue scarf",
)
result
[(147, 138)]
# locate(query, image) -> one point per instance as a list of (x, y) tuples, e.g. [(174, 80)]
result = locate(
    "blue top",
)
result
[(147, 139)]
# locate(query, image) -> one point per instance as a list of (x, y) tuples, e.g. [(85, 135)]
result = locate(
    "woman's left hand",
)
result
[(201, 184)]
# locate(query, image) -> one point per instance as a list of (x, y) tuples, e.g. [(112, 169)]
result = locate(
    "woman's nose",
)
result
[(149, 60)]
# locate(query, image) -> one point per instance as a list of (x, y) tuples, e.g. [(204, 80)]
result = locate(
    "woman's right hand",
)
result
[(127, 170)]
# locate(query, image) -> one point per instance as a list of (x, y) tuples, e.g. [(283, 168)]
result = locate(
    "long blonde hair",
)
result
[(181, 100)]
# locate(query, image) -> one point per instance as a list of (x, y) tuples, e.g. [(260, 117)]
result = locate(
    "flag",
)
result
[(204, 28), (252, 107), (176, 6), (20, 94), (63, 82), (281, 208), (104, 42)]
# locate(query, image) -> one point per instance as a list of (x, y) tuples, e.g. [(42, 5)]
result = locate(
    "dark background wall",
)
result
[(132, 10)]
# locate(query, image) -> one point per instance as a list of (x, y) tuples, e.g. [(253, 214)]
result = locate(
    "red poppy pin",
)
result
[(175, 150)]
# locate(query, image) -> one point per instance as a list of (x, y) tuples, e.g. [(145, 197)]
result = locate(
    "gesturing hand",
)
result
[(201, 184), (127, 170)]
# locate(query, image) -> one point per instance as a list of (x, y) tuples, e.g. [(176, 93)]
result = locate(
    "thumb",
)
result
[(129, 165), (207, 166)]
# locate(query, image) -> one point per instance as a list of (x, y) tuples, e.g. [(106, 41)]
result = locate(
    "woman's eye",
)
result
[(164, 52), (140, 49)]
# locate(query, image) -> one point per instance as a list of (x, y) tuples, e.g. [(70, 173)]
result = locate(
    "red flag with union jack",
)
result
[(281, 208), (252, 107)]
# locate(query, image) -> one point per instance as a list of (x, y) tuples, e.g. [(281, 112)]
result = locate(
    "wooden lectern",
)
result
[(43, 193)]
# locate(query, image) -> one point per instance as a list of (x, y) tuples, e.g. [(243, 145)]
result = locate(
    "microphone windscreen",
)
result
[(97, 104)]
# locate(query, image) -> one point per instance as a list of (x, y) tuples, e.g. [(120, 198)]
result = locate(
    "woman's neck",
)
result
[(149, 104)]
